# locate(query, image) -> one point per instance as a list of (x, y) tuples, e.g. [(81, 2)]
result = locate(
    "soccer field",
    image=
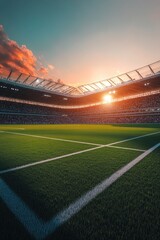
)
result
[(99, 182)]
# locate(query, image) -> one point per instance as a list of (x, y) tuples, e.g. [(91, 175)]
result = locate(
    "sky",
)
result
[(79, 41)]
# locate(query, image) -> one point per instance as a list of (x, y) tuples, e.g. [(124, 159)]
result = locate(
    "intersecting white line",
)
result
[(71, 154), (60, 157), (40, 229), (74, 141)]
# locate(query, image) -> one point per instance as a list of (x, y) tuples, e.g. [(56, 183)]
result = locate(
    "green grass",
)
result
[(18, 150), (129, 209), (101, 134), (65, 180)]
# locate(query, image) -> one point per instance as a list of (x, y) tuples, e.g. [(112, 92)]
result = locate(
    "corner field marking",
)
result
[(70, 154), (40, 229)]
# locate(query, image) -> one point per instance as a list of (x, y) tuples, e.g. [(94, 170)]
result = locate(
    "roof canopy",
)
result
[(57, 87)]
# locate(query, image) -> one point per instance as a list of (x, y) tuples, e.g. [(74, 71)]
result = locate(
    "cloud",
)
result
[(43, 71), (51, 67), (20, 58), (15, 57)]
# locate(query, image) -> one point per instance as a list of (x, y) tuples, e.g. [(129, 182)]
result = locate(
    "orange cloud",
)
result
[(15, 57), (43, 71), (20, 58)]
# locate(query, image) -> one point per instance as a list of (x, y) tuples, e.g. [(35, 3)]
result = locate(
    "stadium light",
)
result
[(107, 98)]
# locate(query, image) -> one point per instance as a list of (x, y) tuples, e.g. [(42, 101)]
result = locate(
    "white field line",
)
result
[(75, 207), (73, 141), (12, 128), (126, 148), (40, 229), (52, 138), (68, 140), (70, 154), (23, 213), (45, 161)]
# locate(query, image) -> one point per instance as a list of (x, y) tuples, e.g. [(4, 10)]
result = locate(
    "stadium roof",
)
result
[(129, 77), (86, 89)]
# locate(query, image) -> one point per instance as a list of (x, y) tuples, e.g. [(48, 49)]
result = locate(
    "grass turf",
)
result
[(101, 134), (129, 209), (48, 188)]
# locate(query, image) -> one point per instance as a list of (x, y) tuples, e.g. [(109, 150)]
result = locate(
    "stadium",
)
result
[(79, 120), (68, 145)]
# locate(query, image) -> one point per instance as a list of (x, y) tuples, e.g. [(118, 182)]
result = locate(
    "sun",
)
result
[(107, 98)]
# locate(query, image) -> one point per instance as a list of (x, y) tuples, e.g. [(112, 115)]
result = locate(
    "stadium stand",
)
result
[(137, 110), (29, 100)]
